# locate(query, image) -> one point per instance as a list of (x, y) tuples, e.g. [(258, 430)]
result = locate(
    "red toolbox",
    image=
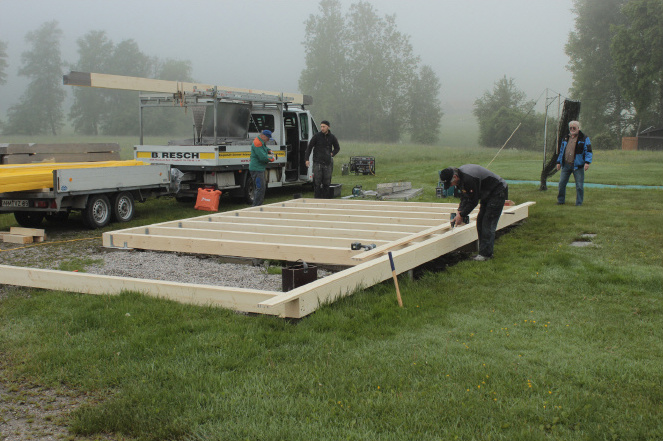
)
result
[(208, 199)]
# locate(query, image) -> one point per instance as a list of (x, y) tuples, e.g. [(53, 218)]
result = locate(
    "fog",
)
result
[(470, 44)]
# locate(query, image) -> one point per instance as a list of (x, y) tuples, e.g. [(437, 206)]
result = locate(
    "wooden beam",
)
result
[(16, 238), (305, 211), (272, 251), (442, 228), (271, 237), (359, 220), (121, 82), (240, 299), (290, 230)]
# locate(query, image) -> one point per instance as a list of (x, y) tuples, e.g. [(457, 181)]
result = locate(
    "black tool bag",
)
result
[(298, 274)]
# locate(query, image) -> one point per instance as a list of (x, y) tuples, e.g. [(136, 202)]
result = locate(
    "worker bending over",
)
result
[(478, 185)]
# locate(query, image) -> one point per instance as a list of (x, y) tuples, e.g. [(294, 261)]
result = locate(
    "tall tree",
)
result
[(40, 108), (605, 112), (499, 113), (425, 108), (359, 69), (122, 105), (89, 107), (637, 50), (4, 64), (382, 62), (325, 74)]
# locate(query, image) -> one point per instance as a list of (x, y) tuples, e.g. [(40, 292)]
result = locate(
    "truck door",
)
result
[(307, 129)]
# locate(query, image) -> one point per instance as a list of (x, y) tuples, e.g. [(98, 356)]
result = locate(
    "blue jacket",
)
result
[(583, 151)]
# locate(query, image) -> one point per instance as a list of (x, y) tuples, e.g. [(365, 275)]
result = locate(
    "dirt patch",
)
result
[(37, 413)]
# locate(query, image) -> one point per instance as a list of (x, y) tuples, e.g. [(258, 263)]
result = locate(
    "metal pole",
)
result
[(140, 119), (545, 132), (216, 105)]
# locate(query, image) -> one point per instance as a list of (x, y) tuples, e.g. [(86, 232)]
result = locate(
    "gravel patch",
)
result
[(89, 255)]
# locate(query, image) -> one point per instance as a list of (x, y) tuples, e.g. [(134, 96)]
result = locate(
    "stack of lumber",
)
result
[(23, 235), (35, 177), (37, 153), (398, 191)]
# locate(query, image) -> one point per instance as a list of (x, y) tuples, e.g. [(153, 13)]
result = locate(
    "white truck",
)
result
[(102, 194), (225, 122)]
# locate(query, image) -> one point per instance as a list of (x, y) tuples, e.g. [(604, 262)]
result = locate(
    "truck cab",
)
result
[(292, 129)]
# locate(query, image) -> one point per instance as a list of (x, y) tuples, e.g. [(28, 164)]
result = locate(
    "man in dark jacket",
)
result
[(324, 146), (575, 155), (478, 185)]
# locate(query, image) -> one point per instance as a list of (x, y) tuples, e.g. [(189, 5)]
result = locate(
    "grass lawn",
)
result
[(545, 342)]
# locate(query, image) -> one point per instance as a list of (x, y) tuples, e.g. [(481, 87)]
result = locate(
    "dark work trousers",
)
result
[(578, 176), (487, 219), (259, 187), (322, 175)]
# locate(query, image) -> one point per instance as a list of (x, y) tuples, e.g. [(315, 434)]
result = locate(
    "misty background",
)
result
[(469, 44)]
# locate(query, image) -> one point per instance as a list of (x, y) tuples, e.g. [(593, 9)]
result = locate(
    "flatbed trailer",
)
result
[(101, 193)]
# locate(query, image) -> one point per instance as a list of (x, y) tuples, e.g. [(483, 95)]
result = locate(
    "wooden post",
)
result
[(393, 273)]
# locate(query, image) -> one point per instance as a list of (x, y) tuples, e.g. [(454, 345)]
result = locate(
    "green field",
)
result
[(544, 342)]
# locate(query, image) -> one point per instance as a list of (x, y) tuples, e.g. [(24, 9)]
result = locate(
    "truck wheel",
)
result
[(29, 219), (97, 213), (123, 207), (249, 189)]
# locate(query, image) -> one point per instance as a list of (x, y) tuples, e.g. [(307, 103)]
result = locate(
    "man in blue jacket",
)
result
[(575, 155), (478, 185)]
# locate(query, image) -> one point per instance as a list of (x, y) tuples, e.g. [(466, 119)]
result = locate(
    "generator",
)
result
[(364, 165)]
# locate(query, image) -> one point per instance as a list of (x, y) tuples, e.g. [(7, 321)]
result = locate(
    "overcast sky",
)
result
[(470, 44)]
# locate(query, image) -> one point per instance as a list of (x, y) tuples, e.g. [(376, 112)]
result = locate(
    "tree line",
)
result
[(616, 59), (365, 77), (93, 112), (361, 71)]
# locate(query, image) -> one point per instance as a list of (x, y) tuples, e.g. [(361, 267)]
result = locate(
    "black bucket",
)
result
[(298, 274)]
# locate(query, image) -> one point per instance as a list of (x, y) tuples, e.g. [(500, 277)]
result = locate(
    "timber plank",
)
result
[(413, 220), (239, 236), (16, 238), (28, 231), (240, 299), (292, 230), (272, 251)]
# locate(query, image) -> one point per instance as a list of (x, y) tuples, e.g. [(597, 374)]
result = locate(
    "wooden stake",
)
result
[(393, 273)]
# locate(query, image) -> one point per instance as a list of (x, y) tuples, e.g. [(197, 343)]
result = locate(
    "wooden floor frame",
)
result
[(315, 231)]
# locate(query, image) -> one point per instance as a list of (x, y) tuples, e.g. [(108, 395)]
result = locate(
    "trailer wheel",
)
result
[(29, 219), (123, 207), (97, 213)]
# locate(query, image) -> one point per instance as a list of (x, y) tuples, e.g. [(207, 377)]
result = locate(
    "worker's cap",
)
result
[(446, 176), (325, 122), (267, 133)]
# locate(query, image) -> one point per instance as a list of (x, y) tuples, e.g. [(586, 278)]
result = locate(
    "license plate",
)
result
[(15, 203)]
